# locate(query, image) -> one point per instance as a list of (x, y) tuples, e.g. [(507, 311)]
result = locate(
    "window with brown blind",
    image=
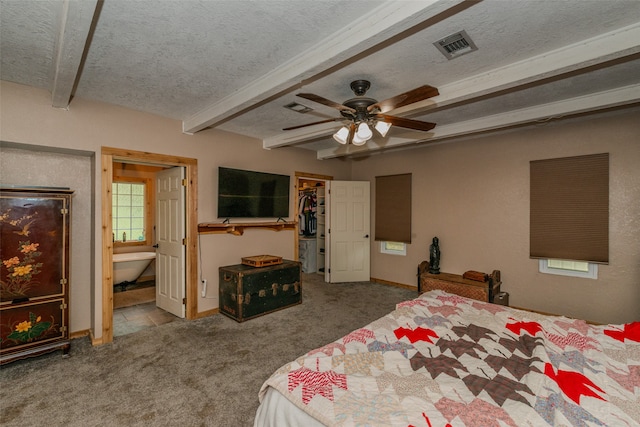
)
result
[(393, 208), (569, 212)]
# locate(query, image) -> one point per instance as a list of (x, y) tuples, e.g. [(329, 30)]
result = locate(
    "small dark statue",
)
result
[(434, 257)]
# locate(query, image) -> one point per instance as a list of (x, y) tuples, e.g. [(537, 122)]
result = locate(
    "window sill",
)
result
[(121, 244), (544, 268)]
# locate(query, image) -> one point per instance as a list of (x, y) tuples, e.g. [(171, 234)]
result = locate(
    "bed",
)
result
[(442, 360)]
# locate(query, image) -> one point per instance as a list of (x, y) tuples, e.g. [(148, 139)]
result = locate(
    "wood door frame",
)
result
[(108, 156)]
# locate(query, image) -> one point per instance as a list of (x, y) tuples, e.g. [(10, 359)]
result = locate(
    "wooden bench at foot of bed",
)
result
[(456, 284)]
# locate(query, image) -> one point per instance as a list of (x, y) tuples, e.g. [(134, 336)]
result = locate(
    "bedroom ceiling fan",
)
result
[(364, 113)]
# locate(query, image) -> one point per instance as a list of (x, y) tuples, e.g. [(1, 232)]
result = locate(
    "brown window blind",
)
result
[(569, 216), (393, 208)]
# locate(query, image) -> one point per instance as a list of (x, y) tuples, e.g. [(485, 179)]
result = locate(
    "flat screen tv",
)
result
[(250, 194)]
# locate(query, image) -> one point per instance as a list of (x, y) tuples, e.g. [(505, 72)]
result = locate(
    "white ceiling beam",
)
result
[(75, 23), (573, 58), (373, 28), (583, 104), (300, 135)]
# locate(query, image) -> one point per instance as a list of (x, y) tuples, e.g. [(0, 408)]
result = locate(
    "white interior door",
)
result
[(170, 254), (349, 225)]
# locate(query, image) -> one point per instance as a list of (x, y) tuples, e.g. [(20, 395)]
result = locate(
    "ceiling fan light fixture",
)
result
[(383, 128), (342, 135), (358, 141), (363, 114), (364, 132)]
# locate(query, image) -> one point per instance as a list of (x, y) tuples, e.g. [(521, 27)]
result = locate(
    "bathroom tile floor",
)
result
[(132, 319)]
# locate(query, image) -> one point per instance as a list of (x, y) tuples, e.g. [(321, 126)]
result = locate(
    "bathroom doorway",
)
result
[(111, 156), (137, 302)]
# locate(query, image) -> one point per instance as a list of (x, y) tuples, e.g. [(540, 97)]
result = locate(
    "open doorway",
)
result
[(311, 214), (148, 210), (134, 233), (189, 183)]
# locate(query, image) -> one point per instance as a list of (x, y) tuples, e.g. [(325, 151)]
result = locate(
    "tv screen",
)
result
[(249, 194)]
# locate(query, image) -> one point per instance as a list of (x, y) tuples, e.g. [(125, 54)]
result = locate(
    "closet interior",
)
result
[(311, 208)]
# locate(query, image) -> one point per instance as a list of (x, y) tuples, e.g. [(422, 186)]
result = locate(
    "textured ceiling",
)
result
[(234, 64)]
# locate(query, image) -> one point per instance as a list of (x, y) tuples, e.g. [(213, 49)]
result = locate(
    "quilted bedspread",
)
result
[(442, 360)]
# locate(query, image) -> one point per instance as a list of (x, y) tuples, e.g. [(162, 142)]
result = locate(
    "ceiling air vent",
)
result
[(298, 108), (456, 45)]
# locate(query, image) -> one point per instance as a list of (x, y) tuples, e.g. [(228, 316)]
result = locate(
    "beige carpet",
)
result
[(134, 297), (200, 373)]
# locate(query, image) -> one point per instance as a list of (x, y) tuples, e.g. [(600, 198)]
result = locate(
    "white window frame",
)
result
[(385, 249), (567, 270)]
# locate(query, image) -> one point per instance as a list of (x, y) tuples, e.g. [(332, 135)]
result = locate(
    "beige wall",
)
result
[(474, 195), (26, 117)]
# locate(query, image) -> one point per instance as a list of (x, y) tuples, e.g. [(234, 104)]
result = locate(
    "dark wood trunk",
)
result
[(247, 292)]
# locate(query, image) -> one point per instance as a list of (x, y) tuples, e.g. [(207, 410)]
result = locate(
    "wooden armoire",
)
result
[(34, 271)]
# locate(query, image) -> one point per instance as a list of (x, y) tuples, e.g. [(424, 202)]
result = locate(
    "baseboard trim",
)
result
[(396, 284), (79, 334), (84, 333), (207, 313), (95, 341)]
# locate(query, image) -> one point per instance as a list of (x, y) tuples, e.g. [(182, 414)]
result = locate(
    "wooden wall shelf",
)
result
[(237, 229)]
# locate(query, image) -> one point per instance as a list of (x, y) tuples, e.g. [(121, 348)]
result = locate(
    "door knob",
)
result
[(366, 236)]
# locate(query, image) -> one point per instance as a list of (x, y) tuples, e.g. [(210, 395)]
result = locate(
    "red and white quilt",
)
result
[(445, 361)]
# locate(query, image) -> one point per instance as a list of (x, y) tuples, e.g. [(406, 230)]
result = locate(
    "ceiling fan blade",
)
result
[(325, 101), (337, 119), (415, 95), (406, 123)]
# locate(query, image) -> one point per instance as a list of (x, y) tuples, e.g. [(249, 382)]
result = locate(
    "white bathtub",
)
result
[(129, 266)]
